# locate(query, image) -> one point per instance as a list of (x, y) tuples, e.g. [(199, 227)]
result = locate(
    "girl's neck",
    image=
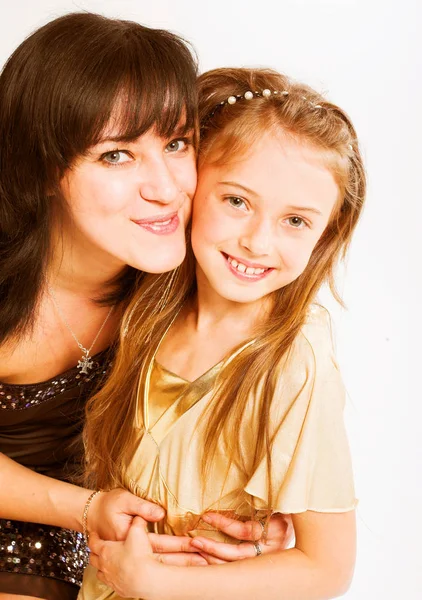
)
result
[(212, 310)]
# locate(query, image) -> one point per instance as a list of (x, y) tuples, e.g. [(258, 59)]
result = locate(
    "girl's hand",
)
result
[(185, 551), (111, 513), (127, 567), (279, 535)]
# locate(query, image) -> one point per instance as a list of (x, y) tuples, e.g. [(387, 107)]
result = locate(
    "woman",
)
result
[(78, 223)]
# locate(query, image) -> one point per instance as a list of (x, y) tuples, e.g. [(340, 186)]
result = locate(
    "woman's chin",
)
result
[(160, 263)]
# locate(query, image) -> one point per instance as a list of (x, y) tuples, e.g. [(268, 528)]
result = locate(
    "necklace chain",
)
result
[(85, 363)]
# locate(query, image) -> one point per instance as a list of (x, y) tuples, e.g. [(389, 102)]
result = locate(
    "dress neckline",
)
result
[(68, 373), (189, 382)]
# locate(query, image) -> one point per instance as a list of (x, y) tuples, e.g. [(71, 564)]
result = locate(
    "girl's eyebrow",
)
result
[(304, 209), (239, 185), (291, 207)]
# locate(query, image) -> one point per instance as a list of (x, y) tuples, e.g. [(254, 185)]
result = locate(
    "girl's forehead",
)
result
[(277, 171)]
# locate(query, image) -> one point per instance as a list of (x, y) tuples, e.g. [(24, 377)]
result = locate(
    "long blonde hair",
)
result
[(227, 131)]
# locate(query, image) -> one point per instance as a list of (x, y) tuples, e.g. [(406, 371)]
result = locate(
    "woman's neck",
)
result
[(79, 267)]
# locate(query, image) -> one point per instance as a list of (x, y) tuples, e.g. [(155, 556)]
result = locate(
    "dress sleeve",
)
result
[(310, 460)]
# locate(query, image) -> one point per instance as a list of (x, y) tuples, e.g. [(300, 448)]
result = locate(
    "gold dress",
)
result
[(311, 467)]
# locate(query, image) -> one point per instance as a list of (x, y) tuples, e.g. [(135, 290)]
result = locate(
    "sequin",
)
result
[(34, 549), (30, 548), (19, 397)]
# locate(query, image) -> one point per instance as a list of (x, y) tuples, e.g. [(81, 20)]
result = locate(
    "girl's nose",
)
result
[(257, 238)]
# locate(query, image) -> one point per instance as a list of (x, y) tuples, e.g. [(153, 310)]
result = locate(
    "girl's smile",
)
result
[(245, 270)]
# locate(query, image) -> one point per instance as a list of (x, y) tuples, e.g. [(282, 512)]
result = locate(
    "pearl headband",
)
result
[(249, 95), (266, 93)]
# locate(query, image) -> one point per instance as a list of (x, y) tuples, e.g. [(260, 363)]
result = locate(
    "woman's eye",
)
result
[(296, 222), (236, 202), (179, 145), (116, 157)]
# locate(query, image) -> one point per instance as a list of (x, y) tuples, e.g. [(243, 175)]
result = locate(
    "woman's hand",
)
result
[(127, 567), (124, 566), (111, 513)]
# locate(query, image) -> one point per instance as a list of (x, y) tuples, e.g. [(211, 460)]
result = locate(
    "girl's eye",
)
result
[(236, 202), (179, 145), (296, 222), (115, 157)]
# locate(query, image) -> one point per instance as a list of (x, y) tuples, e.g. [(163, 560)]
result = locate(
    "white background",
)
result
[(368, 56)]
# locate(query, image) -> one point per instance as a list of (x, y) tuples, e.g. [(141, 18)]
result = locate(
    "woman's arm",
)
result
[(319, 567), (28, 496)]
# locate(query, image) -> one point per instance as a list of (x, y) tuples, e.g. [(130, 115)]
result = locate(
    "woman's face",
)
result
[(130, 201), (256, 221)]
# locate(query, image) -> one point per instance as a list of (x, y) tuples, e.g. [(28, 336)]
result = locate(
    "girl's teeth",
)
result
[(244, 268)]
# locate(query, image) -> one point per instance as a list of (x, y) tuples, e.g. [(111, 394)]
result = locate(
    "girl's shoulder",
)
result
[(311, 359), (314, 345)]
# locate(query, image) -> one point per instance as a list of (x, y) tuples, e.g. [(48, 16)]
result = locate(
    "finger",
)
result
[(181, 559), (212, 560), (95, 543), (250, 530), (162, 543), (101, 577), (137, 540), (94, 560), (145, 509), (225, 552)]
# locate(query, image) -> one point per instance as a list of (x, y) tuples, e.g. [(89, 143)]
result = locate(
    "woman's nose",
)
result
[(157, 182)]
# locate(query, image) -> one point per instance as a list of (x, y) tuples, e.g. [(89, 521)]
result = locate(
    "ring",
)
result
[(262, 523), (257, 548)]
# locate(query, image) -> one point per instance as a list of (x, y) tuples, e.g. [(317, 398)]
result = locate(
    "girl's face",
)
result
[(257, 220), (130, 201)]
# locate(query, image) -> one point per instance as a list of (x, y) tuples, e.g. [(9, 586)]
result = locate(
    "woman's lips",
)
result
[(163, 225), (246, 271)]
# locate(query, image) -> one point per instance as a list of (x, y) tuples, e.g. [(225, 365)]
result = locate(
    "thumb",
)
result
[(137, 538), (145, 509), (95, 543)]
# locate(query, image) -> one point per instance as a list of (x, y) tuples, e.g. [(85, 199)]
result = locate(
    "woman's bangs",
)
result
[(161, 98)]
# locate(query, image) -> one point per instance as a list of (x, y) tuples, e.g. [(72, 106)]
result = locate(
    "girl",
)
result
[(226, 365), (74, 230)]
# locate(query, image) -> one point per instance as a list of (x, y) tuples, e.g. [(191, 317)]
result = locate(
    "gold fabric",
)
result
[(311, 467)]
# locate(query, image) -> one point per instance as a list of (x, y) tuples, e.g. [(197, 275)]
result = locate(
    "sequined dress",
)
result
[(40, 428)]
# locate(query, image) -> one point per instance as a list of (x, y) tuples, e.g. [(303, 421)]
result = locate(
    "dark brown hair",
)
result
[(58, 91)]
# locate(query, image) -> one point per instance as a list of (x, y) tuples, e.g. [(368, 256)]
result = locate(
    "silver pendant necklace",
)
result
[(85, 363)]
